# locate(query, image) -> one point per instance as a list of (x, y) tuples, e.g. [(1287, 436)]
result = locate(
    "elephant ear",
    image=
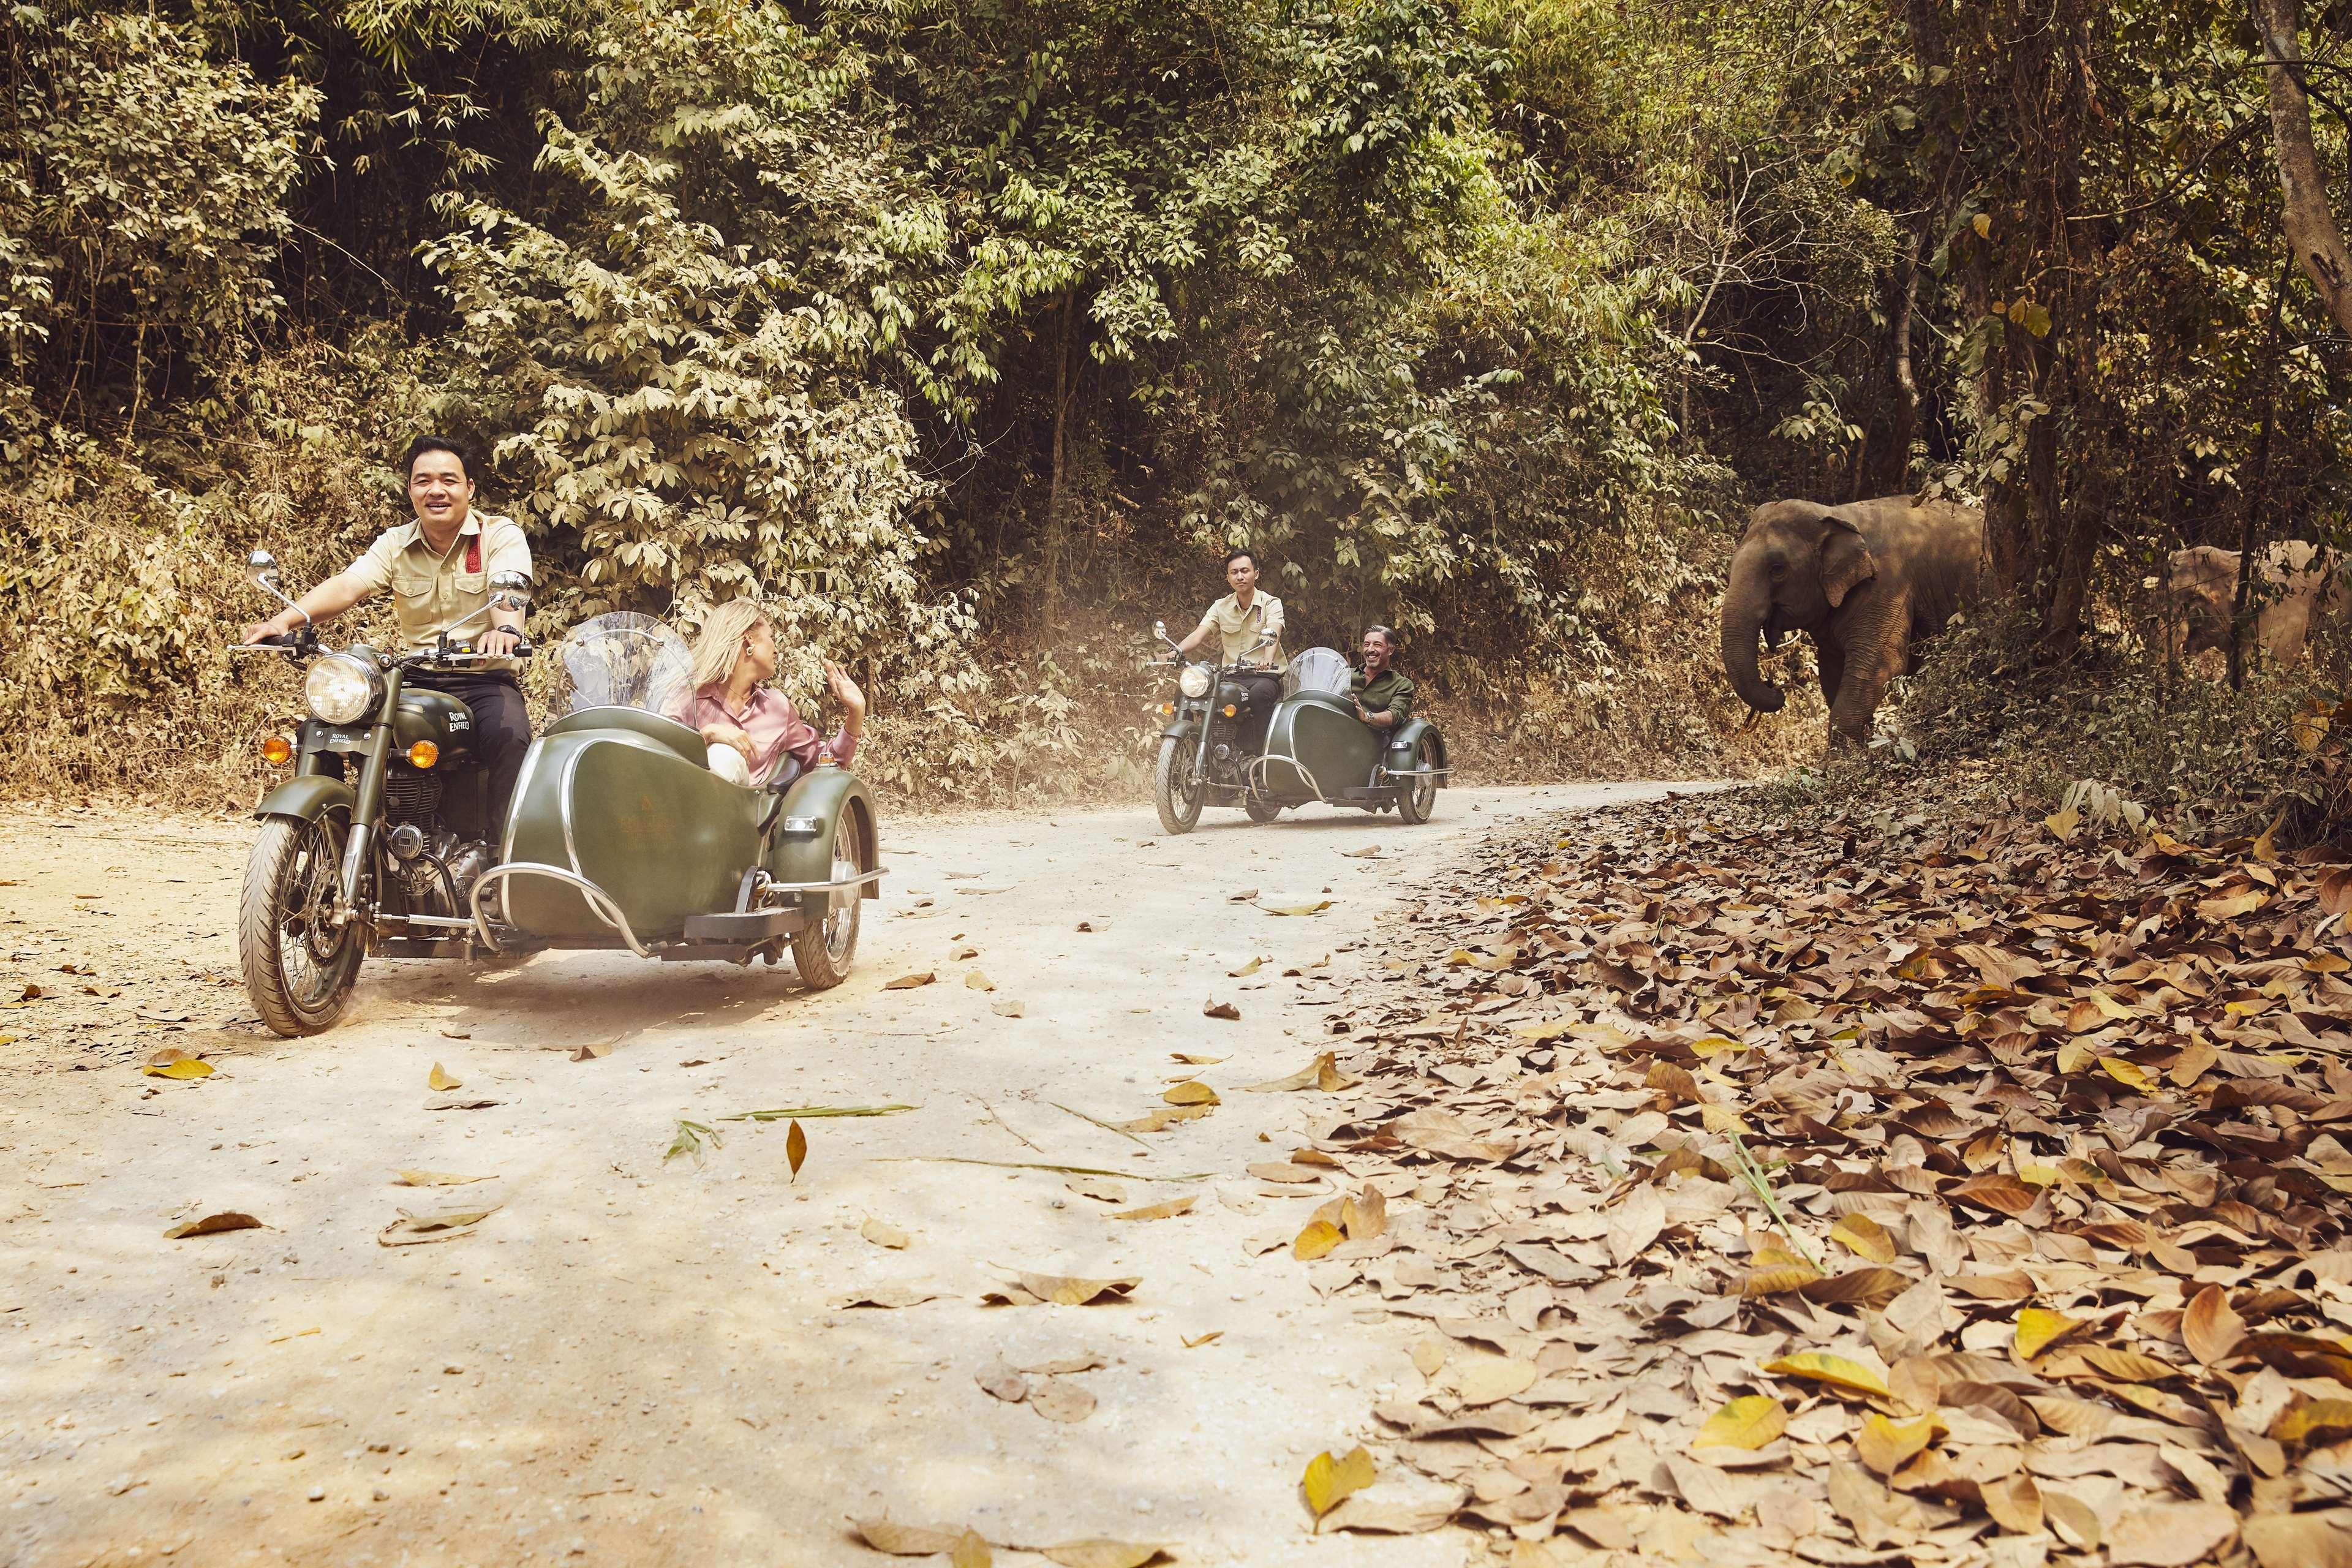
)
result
[(1846, 559)]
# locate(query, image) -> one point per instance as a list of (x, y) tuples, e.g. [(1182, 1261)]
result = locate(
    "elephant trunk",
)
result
[(1744, 602)]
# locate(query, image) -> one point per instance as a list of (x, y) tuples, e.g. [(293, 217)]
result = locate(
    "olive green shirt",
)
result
[(448, 592), (1391, 693)]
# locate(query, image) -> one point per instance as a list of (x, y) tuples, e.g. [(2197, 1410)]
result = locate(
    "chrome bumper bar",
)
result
[(600, 903)]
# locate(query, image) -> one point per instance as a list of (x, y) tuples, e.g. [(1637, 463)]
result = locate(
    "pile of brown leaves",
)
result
[(1858, 1194)]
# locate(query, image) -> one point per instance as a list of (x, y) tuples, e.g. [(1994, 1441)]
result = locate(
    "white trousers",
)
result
[(728, 764)]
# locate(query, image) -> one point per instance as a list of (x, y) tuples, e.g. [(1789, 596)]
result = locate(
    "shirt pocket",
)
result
[(413, 598)]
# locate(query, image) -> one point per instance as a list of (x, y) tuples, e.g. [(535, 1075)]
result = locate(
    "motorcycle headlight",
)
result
[(1194, 681), (341, 689)]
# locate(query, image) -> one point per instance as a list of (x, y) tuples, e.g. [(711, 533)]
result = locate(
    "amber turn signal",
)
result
[(1167, 709), (1231, 710), (424, 754), (277, 750)]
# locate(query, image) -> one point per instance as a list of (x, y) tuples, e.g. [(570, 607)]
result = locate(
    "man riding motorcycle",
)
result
[(439, 568), (1240, 621)]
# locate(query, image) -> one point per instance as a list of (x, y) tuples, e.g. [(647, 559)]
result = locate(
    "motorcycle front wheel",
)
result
[(299, 967), (1176, 787)]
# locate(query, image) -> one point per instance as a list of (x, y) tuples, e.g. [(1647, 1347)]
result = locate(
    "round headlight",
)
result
[(340, 689), (1194, 681)]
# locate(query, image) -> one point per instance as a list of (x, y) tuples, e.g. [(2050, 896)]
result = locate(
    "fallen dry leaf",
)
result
[(2169, 1535), (974, 980), (1059, 1399), (1105, 1554), (796, 1147), (213, 1225), (439, 1081), (970, 1549), (1168, 1210), (415, 1230), (909, 982), (1316, 1241), (185, 1068), (1886, 1446), (1062, 1290), (1008, 1008), (1224, 1010), (1750, 1422), (1327, 1481), (434, 1179), (1192, 1091), (2210, 1329), (882, 1234), (904, 1540)]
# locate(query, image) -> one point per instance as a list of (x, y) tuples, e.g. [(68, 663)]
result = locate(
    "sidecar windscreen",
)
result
[(1319, 669), (626, 660)]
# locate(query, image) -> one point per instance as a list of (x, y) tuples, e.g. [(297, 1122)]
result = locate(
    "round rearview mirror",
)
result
[(261, 569), (509, 590), (1160, 630)]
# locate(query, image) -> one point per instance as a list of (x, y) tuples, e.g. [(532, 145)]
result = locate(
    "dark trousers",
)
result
[(501, 729), (1264, 692)]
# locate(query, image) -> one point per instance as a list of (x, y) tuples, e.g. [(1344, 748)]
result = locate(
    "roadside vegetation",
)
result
[(968, 336)]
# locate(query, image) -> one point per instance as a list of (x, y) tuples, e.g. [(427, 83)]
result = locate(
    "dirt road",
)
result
[(634, 1360)]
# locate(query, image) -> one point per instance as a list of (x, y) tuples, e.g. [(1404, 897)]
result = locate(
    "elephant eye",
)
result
[(1779, 568)]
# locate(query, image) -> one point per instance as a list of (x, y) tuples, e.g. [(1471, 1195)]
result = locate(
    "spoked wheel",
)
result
[(299, 966), (1261, 807), (1417, 801), (1176, 786), (824, 949)]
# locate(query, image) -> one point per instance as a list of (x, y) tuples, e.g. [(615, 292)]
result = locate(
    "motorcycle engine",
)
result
[(467, 862)]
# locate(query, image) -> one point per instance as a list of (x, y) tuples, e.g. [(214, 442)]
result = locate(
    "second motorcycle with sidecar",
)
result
[(1313, 746)]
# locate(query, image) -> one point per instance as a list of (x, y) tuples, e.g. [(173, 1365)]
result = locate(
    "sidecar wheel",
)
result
[(1261, 808), (1417, 801), (1176, 787), (299, 976), (827, 944)]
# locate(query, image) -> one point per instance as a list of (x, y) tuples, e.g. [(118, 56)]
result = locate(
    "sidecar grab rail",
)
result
[(835, 886), (600, 903)]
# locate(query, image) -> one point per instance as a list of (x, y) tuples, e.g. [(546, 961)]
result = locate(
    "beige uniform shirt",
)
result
[(1238, 629), (451, 593)]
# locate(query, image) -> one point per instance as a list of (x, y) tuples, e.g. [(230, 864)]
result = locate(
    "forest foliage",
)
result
[(969, 335)]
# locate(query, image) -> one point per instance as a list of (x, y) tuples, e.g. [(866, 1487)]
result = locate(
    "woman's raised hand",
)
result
[(844, 689)]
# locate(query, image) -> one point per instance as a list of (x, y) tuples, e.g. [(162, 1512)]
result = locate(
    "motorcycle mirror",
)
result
[(509, 590), (261, 570), (1160, 630)]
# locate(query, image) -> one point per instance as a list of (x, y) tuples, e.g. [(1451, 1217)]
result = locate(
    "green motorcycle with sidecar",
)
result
[(1313, 746), (619, 837)]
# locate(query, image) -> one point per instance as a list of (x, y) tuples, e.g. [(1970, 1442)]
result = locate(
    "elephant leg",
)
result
[(1875, 646), (1830, 661)]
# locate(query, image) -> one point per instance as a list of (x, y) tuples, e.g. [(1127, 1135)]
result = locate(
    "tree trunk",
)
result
[(2250, 531), (1897, 464), (1057, 523), (2310, 223)]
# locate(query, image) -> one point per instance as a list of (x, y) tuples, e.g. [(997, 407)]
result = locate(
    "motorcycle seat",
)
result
[(686, 742)]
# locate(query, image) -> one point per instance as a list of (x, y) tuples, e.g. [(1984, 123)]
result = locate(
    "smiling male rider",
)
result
[(439, 568), (1240, 621), (1383, 696)]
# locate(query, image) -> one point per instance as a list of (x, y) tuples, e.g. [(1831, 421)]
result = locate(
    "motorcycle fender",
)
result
[(1183, 727), (800, 845), (308, 797), (1400, 757)]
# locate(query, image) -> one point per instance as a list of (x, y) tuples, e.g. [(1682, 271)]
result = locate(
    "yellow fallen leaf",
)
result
[(1864, 1237), (1819, 1366), (1103, 1553), (1192, 1091), (904, 1540), (969, 1551), (212, 1224), (1251, 967), (1779, 1279), (1715, 1046), (976, 981), (2073, 1056), (1328, 1481), (185, 1068), (1190, 1059), (2040, 1175), (2130, 1074), (1320, 1237), (1195, 1341), (2319, 1420), (1314, 908), (1750, 1422), (882, 1234), (439, 1080), (1168, 1210), (1720, 1118), (1886, 1446), (434, 1179), (2038, 1330)]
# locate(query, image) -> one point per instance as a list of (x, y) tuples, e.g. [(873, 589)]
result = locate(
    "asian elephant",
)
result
[(2294, 588), (1867, 580)]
